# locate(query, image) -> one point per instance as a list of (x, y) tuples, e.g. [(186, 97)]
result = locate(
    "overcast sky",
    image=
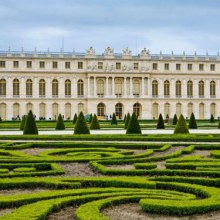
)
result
[(164, 25)]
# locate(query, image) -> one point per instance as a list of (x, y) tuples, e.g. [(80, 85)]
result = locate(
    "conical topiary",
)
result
[(74, 118), (125, 117), (219, 124), (90, 118), (192, 122), (81, 125), (23, 120), (0, 119), (133, 125), (114, 120), (95, 123), (160, 122), (167, 118), (175, 120), (127, 120), (60, 123), (212, 119), (30, 126), (181, 126)]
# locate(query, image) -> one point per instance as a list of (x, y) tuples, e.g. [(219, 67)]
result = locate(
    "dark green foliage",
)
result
[(167, 118), (81, 125), (133, 125), (219, 124), (30, 126), (175, 119), (90, 118), (114, 120), (192, 122), (23, 120), (125, 117), (0, 119), (95, 123), (75, 118), (160, 122), (127, 121), (60, 123), (212, 119), (181, 126)]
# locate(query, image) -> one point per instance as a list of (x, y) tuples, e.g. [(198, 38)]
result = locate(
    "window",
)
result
[(29, 64), (166, 66), (2, 87), (136, 87), (55, 65), (201, 89), (42, 88), (68, 111), (178, 66), (42, 64), (190, 66), (137, 109), (67, 65), (155, 88), (201, 67), (212, 89), (119, 110), (101, 109), (201, 111), (42, 112), (80, 65), (80, 88), (100, 88), (2, 64), (212, 67), (135, 66), (154, 66), (55, 87), (15, 64), (100, 65), (190, 88), (178, 89), (67, 88), (16, 87), (118, 87), (29, 88), (118, 66), (166, 88)]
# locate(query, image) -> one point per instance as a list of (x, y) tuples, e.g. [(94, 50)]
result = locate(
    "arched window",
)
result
[(212, 89), (137, 109), (100, 88), (155, 88), (29, 88), (213, 109), (166, 88), (190, 109), (2, 87), (155, 110), (80, 108), (167, 110), (16, 87), (101, 109), (16, 110), (178, 89), (119, 110), (201, 88), (136, 87), (178, 109), (68, 111), (42, 113), (55, 111), (55, 88), (67, 88), (3, 111), (201, 111), (189, 88), (80, 88), (29, 107), (118, 87), (42, 88)]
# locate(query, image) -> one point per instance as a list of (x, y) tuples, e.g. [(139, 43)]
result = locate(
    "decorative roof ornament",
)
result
[(126, 53), (90, 52), (109, 52), (145, 53)]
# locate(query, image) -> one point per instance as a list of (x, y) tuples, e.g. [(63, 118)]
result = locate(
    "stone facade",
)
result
[(67, 83)]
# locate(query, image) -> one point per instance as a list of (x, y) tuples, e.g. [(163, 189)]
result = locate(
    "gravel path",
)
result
[(64, 214), (35, 151)]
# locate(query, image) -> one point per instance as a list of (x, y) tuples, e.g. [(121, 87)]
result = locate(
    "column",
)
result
[(142, 86), (113, 86), (48, 88), (195, 89), (88, 94), (160, 89), (149, 88), (125, 87), (74, 87), (106, 82), (35, 88), (207, 89), (22, 87), (131, 87), (61, 88), (95, 91), (172, 89), (9, 88), (184, 89)]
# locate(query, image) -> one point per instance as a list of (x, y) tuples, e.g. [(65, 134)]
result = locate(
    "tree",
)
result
[(95, 123), (175, 120), (219, 124), (212, 119), (0, 119), (114, 120), (127, 121), (192, 122), (74, 118), (30, 126), (90, 118), (60, 123), (160, 122), (181, 126), (23, 120), (133, 125), (81, 125), (125, 117)]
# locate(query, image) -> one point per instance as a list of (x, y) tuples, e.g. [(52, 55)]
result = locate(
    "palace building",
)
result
[(67, 83)]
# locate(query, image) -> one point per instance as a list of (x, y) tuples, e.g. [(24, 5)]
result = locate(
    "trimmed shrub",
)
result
[(60, 123), (125, 117), (160, 122), (212, 119), (30, 126), (114, 120), (0, 119), (181, 126), (192, 122), (175, 119), (90, 118), (23, 120), (127, 121), (75, 118), (133, 125), (95, 123), (219, 124), (81, 125)]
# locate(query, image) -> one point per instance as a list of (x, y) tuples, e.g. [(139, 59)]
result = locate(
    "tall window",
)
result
[(101, 109), (155, 88), (190, 88), (42, 88), (119, 110), (100, 88), (42, 113), (68, 111), (201, 111), (136, 87), (80, 88), (212, 89), (67, 88), (166, 88), (118, 87), (178, 89), (16, 87), (29, 88), (2, 87), (137, 109), (55, 88), (201, 89)]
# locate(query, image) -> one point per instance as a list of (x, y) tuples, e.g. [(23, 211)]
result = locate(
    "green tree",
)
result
[(60, 123), (95, 123), (192, 122), (114, 120), (75, 118), (30, 126), (133, 125), (90, 118), (160, 122), (0, 119), (175, 120), (125, 117), (23, 120), (81, 125), (127, 120), (219, 124), (212, 119), (181, 126)]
